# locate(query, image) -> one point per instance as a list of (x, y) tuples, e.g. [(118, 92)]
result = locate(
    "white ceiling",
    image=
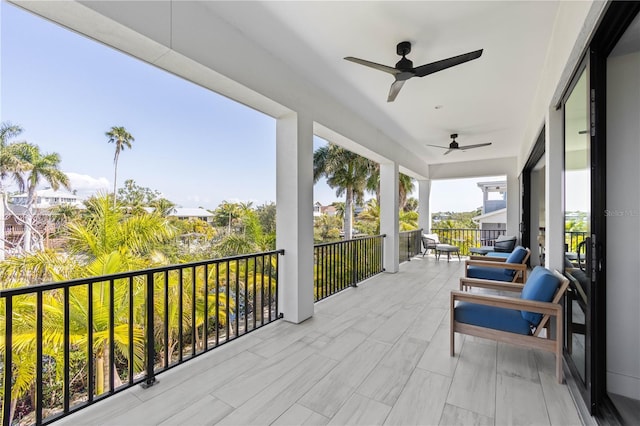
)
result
[(485, 100)]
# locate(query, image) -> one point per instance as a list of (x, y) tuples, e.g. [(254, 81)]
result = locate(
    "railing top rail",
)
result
[(347, 241), (409, 232), (100, 278)]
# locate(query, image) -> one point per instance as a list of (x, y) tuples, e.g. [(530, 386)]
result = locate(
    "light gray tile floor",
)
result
[(372, 355)]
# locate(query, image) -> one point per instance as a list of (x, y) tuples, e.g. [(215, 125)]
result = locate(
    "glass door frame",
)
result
[(589, 385), (614, 23)]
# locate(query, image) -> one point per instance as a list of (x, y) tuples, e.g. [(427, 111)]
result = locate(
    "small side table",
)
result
[(447, 248)]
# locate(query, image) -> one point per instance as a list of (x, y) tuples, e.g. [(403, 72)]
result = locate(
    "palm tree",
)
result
[(105, 242), (39, 167), (9, 165), (64, 213), (9, 162), (226, 214), (108, 229), (122, 139), (162, 206), (405, 185), (369, 219), (345, 171)]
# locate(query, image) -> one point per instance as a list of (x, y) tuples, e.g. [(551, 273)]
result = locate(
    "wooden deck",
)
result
[(376, 354)]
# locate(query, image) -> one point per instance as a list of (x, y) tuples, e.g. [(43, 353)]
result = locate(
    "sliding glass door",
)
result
[(578, 235)]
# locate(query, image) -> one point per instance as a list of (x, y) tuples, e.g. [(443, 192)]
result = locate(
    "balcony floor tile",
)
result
[(375, 354)]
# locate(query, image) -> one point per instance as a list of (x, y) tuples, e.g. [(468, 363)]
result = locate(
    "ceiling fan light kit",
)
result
[(404, 69)]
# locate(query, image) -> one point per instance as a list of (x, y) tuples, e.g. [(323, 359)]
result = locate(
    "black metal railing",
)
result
[(572, 240), (466, 238), (343, 264), (410, 244), (69, 344)]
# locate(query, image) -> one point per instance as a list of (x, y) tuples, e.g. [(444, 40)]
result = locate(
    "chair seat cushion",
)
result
[(486, 273), (491, 317), (540, 286)]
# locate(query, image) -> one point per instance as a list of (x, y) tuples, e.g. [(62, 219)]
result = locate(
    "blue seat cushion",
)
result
[(487, 273), (498, 254), (540, 286), (516, 256), (491, 317)]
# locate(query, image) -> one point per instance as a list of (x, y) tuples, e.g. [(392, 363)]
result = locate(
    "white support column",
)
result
[(554, 190), (424, 205), (513, 204), (294, 215), (389, 214), (537, 180)]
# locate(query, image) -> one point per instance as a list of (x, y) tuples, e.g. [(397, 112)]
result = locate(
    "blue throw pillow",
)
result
[(540, 286), (516, 256)]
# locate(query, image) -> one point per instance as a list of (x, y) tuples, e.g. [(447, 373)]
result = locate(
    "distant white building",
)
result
[(46, 198), (191, 213), (319, 210), (494, 206)]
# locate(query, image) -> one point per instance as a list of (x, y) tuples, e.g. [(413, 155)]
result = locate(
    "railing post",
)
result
[(150, 349), (354, 276), (8, 360)]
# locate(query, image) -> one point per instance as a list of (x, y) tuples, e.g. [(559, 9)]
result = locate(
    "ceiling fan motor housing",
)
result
[(403, 48), (454, 144)]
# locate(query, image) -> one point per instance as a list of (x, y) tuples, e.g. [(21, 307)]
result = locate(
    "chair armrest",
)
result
[(545, 308), (489, 284), (488, 258), (493, 264)]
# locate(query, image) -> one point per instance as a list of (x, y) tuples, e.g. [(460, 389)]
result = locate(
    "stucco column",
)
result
[(424, 205), (554, 190), (389, 214), (513, 203), (294, 215)]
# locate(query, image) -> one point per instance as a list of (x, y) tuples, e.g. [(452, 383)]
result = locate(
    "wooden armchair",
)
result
[(514, 320), (510, 269)]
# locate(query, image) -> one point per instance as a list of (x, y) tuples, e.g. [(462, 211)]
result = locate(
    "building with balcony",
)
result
[(557, 93), (46, 198), (493, 216)]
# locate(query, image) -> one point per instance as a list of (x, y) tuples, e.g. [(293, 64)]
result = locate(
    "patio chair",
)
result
[(502, 244), (429, 242), (514, 320), (513, 268)]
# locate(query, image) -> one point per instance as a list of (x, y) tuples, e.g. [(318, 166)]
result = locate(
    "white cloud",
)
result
[(86, 185)]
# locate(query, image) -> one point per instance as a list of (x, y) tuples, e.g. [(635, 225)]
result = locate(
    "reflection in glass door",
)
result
[(577, 178)]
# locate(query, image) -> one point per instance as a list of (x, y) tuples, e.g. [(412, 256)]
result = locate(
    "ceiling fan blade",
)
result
[(427, 69), (370, 64), (448, 151), (475, 146), (438, 146), (395, 89)]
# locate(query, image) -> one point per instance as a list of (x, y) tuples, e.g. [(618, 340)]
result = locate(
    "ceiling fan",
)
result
[(404, 69), (453, 146)]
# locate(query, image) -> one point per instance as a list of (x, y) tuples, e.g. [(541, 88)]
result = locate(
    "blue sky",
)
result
[(194, 146)]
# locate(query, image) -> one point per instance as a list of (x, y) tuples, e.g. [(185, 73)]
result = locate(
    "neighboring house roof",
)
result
[(47, 198), (16, 209), (496, 216), (189, 212)]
